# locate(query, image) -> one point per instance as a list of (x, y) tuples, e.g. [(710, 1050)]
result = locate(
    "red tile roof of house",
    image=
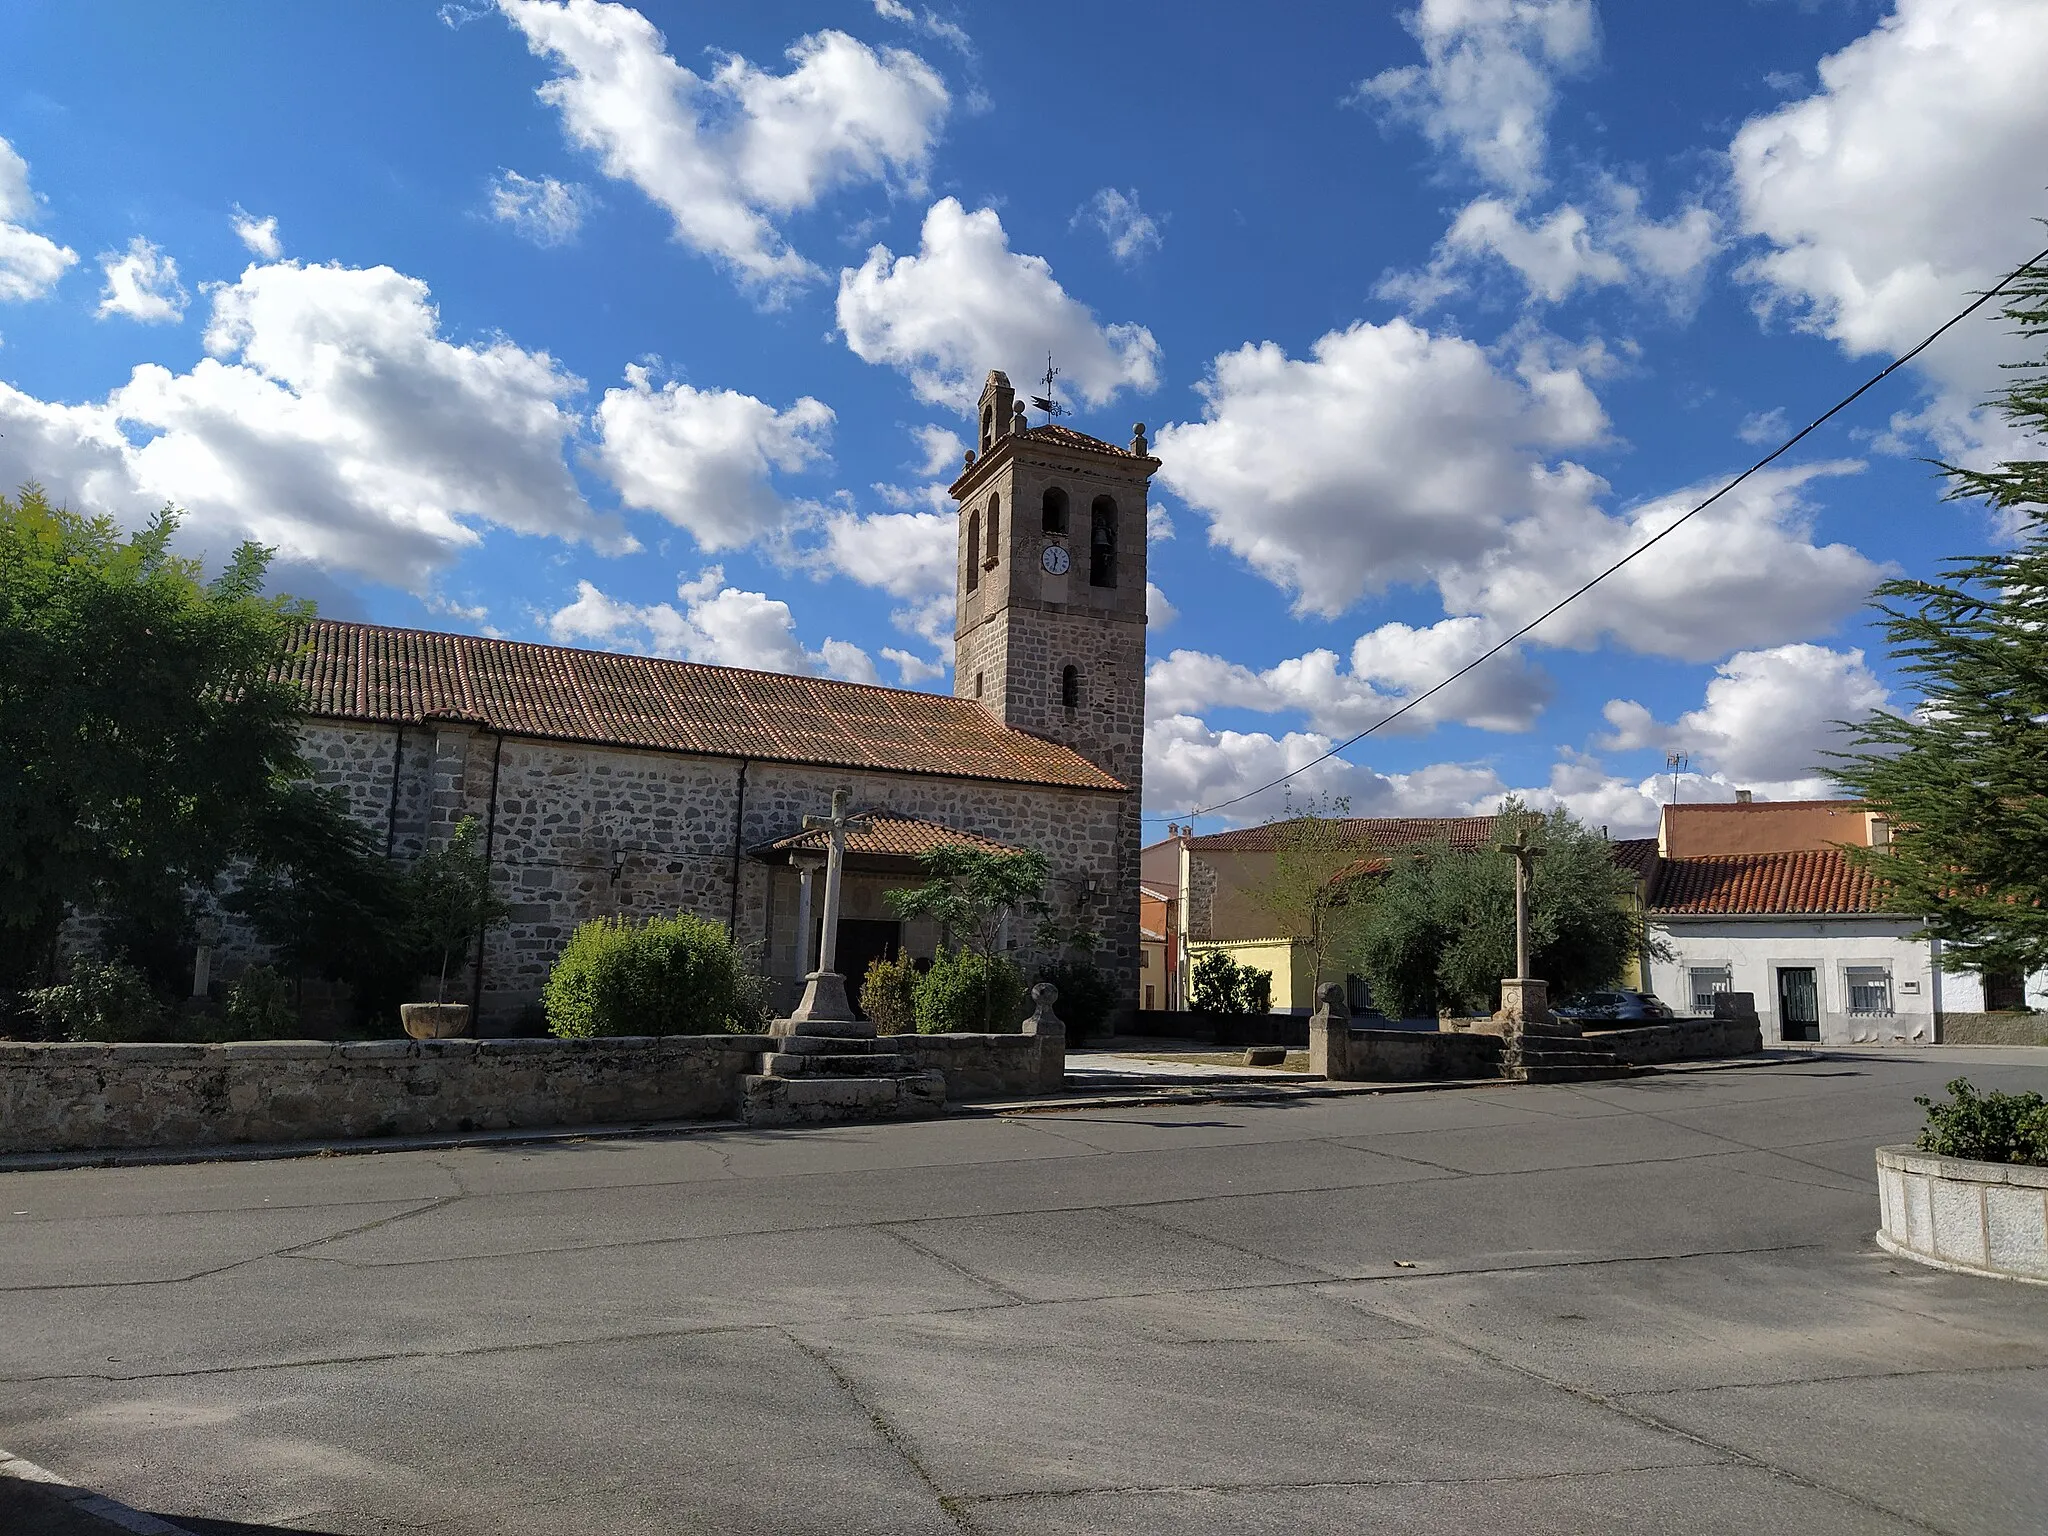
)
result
[(904, 837), (1637, 855), (1765, 885), (402, 676)]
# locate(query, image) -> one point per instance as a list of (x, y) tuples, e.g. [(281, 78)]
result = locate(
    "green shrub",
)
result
[(105, 1000), (1993, 1128), (888, 995), (666, 976), (260, 1007), (1223, 986), (967, 992), (1087, 997)]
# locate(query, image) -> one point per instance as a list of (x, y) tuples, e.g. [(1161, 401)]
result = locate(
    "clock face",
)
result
[(1054, 560)]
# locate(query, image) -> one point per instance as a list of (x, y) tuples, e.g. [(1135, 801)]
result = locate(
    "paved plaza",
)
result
[(1646, 1305)]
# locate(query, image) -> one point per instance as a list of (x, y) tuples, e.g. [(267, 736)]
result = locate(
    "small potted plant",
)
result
[(452, 906)]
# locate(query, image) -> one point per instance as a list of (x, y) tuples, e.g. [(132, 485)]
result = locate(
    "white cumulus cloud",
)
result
[(544, 210), (260, 236), (965, 303), (1388, 452), (142, 284), (1132, 233), (702, 458), (1487, 84), (30, 264), (330, 419), (726, 155), (715, 623)]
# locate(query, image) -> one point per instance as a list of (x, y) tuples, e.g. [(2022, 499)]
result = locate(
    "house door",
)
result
[(1798, 1003), (862, 941)]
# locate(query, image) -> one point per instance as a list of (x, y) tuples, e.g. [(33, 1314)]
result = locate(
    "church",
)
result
[(610, 784)]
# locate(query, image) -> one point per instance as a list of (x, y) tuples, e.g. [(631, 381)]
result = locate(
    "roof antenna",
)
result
[(1049, 402), (1677, 763)]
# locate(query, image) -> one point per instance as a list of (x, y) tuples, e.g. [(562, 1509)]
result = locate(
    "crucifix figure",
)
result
[(825, 1009)]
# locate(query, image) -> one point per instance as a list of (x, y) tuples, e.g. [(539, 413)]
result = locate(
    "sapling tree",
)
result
[(451, 902)]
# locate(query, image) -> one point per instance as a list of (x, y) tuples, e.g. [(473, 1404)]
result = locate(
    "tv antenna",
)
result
[(1676, 763), (1049, 402)]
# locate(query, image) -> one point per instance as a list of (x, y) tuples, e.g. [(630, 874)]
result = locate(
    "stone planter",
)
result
[(435, 1021), (1986, 1219)]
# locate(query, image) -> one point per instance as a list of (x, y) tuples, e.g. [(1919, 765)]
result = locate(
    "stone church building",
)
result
[(615, 784)]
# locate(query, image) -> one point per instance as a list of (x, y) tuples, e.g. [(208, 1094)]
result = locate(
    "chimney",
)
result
[(1742, 797)]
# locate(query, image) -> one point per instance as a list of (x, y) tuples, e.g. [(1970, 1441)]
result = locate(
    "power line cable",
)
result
[(1819, 421)]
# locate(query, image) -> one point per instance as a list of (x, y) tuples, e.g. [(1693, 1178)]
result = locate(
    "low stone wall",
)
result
[(1981, 1218), (63, 1098), (1994, 1029), (987, 1066), (1410, 1055), (1640, 1045)]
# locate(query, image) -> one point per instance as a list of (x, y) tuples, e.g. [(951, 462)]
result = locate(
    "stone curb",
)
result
[(1138, 1095), (98, 1505)]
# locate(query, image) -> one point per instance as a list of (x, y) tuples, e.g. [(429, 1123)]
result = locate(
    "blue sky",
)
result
[(654, 328)]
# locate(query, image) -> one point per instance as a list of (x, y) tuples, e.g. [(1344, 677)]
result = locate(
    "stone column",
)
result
[(1052, 1037), (1329, 1033)]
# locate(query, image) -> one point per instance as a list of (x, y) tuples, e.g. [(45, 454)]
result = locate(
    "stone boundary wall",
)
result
[(1981, 1218), (1994, 1029), (1641, 1045), (1409, 1055), (64, 1098)]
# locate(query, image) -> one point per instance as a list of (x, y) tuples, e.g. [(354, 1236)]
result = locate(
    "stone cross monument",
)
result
[(824, 1009), (1524, 999)]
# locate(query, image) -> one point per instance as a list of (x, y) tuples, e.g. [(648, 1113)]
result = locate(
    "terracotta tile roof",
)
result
[(1379, 833), (903, 837), (1765, 884), (1637, 855), (400, 676), (1067, 437)]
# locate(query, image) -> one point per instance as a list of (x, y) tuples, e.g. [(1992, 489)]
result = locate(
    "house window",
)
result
[(1870, 990), (1707, 980), (1149, 1004), (2004, 991)]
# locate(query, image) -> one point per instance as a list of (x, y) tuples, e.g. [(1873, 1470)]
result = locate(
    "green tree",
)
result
[(1963, 778), (449, 901), (1315, 889), (140, 733), (1441, 933), (971, 892), (1223, 986)]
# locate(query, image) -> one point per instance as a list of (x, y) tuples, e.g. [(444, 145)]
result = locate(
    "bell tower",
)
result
[(1049, 614)]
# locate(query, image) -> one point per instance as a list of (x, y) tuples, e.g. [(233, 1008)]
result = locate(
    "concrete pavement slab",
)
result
[(1700, 1501), (1971, 1465)]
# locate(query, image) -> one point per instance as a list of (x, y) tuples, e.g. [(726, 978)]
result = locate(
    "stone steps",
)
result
[(1561, 1058), (774, 1099), (829, 1064)]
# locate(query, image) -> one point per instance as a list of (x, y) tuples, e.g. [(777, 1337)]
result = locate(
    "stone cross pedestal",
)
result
[(825, 1009)]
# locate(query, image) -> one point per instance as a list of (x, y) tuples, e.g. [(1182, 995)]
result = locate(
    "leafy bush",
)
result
[(888, 995), (666, 976), (967, 992), (260, 1006), (1223, 986), (1087, 997), (1993, 1128), (105, 1000)]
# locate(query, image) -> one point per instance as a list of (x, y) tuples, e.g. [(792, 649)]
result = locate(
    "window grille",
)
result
[(1870, 990), (1707, 980)]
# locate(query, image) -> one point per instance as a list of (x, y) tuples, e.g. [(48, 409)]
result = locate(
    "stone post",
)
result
[(1329, 1033), (1052, 1037)]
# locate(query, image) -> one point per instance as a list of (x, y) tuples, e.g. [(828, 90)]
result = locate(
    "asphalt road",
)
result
[(1651, 1305)]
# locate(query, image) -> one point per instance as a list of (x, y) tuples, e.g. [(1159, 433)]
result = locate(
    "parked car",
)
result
[(1619, 1006)]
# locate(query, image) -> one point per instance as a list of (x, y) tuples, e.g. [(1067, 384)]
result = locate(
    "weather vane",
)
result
[(1049, 402)]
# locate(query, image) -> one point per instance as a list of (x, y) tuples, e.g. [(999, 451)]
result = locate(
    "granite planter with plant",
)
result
[(1972, 1193)]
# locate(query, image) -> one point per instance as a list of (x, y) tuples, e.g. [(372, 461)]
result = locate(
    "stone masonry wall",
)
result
[(583, 831), (61, 1098)]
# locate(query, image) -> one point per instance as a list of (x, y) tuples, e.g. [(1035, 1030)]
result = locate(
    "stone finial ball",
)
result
[(967, 459), (1138, 428), (1045, 994), (1331, 993)]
